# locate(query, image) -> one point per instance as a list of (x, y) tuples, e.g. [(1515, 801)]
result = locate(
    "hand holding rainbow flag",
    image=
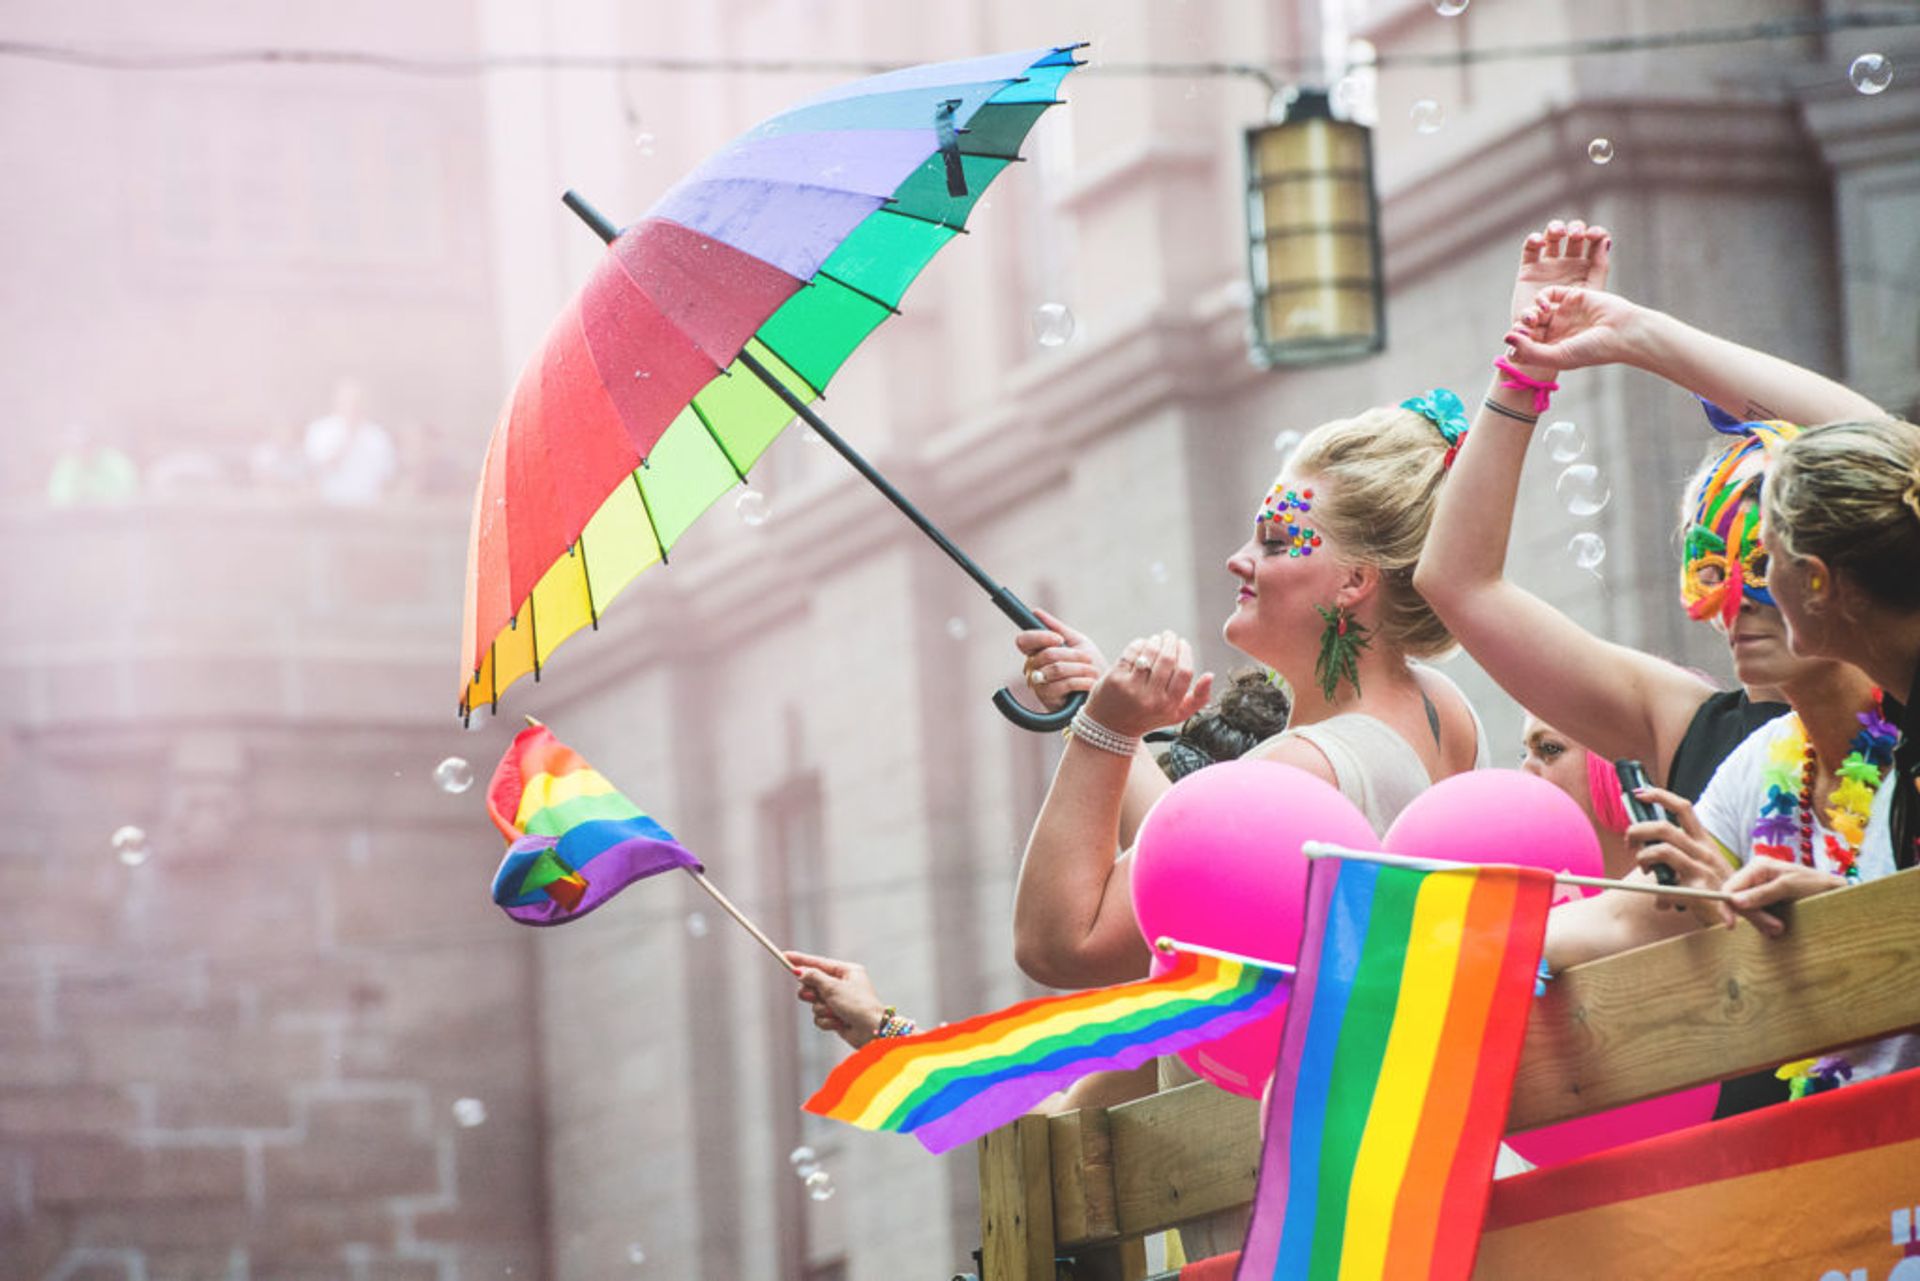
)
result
[(574, 841)]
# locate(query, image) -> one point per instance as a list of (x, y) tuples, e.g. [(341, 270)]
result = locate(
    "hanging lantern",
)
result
[(1314, 242)]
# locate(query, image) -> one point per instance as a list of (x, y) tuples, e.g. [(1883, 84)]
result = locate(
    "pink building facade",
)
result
[(297, 1041)]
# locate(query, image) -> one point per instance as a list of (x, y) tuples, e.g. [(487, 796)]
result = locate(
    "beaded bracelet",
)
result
[(893, 1024), (1094, 734)]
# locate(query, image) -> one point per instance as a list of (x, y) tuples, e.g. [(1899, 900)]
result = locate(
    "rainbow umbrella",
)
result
[(709, 325)]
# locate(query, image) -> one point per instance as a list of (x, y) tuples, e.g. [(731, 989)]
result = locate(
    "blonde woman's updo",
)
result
[(1849, 493), (1383, 471)]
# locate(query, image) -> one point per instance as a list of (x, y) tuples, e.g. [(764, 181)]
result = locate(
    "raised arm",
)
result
[(1574, 327), (1616, 700), (1073, 920)]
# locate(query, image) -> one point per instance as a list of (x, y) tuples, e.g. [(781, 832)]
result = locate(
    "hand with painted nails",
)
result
[(1684, 847), (1565, 255), (1577, 329), (1059, 662), (842, 996), (1767, 882), (1152, 685)]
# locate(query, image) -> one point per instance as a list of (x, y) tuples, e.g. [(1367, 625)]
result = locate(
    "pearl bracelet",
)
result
[(1094, 734)]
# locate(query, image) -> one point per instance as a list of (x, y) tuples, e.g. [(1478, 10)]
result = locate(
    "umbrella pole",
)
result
[(745, 923), (1004, 600)]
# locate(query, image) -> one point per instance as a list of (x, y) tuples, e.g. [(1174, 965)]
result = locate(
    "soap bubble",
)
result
[(1427, 116), (644, 141), (751, 507), (636, 1253), (1052, 324), (1600, 150), (1565, 442), (1158, 571), (806, 1170), (1587, 550), (1582, 489), (1871, 73), (469, 1112), (1449, 8), (1286, 442), (130, 845), (1346, 96), (802, 1155), (453, 775), (820, 1185), (957, 628), (697, 924)]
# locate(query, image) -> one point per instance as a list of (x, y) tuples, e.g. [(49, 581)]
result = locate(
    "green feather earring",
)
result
[(1340, 645)]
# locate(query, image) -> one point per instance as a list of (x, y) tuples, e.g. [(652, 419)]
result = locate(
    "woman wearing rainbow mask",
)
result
[(1808, 789), (1625, 703)]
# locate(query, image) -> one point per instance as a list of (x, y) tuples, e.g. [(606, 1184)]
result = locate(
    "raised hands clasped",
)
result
[(1577, 329), (1152, 685)]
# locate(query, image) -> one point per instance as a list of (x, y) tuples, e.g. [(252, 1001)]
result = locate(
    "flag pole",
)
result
[(746, 924), (1165, 944), (1321, 849)]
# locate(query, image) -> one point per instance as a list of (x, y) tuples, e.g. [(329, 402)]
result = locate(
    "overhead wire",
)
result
[(1271, 74)]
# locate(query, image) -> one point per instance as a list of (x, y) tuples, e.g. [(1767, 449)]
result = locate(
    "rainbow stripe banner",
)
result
[(1396, 1064), (952, 1084), (574, 842)]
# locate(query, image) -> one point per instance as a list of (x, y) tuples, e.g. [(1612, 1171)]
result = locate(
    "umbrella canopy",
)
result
[(783, 252)]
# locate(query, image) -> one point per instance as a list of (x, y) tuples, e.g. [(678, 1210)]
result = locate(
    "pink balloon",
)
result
[(1218, 862), (1555, 1144), (1498, 816), (1505, 816)]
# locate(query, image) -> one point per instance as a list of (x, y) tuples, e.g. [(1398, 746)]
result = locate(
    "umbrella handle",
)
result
[(1038, 722)]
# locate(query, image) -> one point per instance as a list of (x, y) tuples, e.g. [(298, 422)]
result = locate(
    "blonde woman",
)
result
[(1325, 597)]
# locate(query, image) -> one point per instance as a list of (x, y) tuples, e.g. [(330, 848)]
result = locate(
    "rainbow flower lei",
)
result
[(1787, 811)]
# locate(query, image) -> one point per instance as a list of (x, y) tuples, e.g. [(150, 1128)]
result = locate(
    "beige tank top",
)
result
[(1373, 766)]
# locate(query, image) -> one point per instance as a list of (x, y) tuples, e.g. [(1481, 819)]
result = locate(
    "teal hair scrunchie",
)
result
[(1444, 410)]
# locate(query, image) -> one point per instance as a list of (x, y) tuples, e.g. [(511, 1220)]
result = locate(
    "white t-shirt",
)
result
[(1729, 810)]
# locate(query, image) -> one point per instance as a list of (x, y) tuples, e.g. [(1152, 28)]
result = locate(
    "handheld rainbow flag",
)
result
[(952, 1084), (575, 842), (1396, 1064)]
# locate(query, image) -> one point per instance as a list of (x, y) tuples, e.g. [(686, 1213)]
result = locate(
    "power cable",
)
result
[(1272, 75)]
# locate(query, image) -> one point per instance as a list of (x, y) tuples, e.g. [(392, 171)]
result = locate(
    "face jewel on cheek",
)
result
[(1283, 509)]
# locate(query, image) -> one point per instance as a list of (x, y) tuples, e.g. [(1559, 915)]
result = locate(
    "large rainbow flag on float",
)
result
[(574, 842), (1395, 1068), (952, 1084)]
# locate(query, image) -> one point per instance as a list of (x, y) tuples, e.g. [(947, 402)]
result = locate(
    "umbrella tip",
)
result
[(534, 723)]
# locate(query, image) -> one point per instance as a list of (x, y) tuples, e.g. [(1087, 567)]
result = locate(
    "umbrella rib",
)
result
[(646, 508), (719, 444), (533, 627), (586, 580), (853, 288), (956, 228)]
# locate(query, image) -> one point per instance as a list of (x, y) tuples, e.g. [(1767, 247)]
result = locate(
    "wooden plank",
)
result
[(1082, 1155), (1016, 1203), (1182, 1154), (1718, 1002)]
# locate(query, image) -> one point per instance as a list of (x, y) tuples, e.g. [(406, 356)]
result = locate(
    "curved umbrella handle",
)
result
[(1038, 722)]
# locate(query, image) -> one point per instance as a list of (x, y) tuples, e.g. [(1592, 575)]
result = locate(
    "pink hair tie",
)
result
[(1517, 381)]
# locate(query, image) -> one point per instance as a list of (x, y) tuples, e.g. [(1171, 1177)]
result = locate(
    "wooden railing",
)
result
[(1698, 1008)]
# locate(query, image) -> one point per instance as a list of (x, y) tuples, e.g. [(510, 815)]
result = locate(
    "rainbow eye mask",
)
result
[(1725, 561), (1283, 508)]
